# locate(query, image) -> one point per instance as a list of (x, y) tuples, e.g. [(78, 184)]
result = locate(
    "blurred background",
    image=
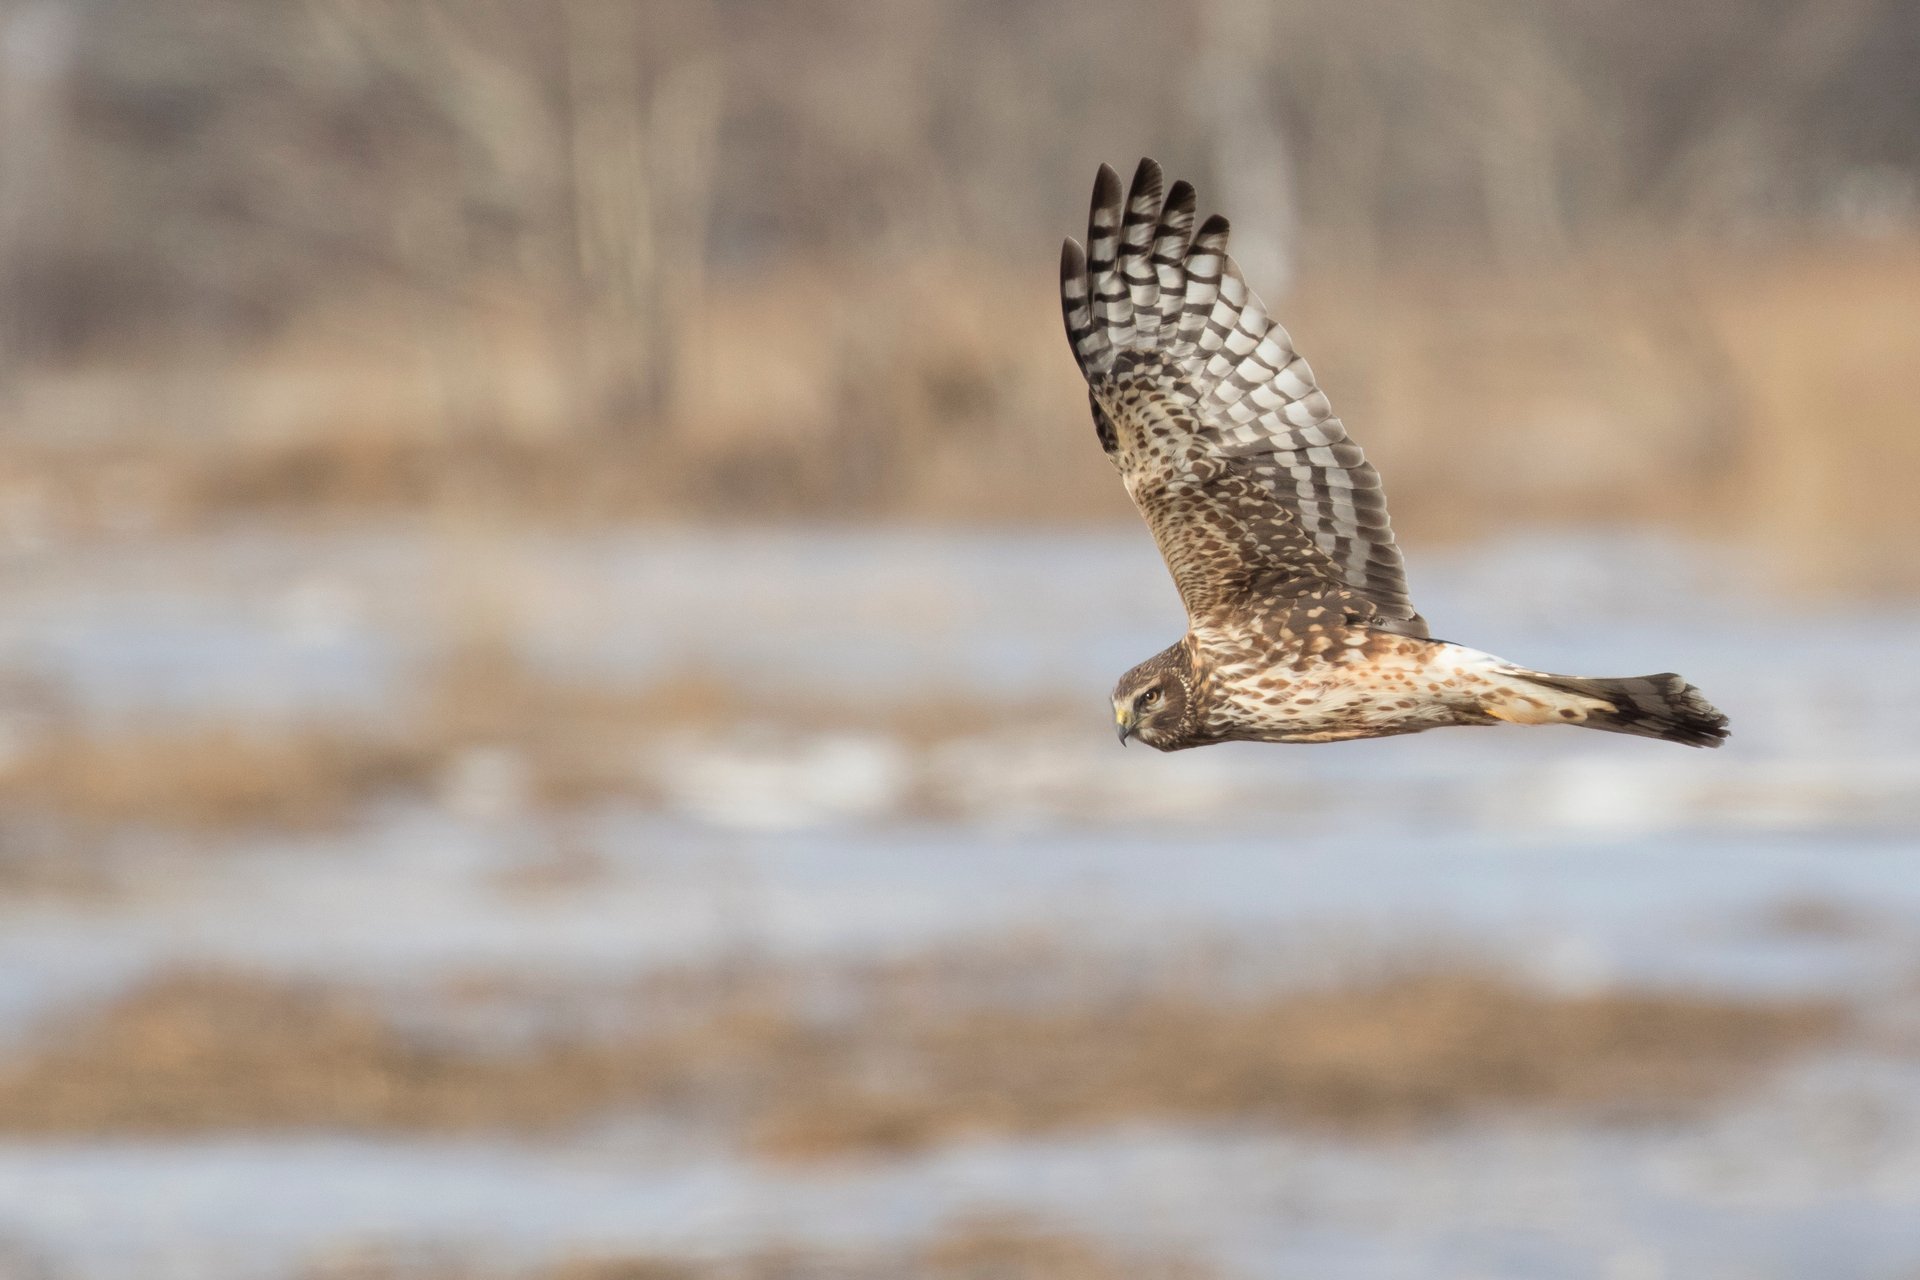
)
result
[(557, 597)]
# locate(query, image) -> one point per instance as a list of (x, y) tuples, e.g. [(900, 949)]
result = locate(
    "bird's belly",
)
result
[(1336, 702)]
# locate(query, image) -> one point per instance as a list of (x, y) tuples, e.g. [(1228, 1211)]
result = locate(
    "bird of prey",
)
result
[(1271, 520)]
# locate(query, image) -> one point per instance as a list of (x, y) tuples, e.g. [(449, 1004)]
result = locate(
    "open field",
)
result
[(448, 902)]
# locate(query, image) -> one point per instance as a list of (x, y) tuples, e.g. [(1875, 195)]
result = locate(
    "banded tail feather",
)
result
[(1660, 706)]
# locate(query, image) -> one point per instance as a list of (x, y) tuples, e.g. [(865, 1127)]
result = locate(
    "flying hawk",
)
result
[(1299, 628)]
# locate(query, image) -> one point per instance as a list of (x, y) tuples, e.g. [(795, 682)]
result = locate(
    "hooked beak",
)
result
[(1123, 718)]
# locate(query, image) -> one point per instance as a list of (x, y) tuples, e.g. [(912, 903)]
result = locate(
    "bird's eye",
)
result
[(1153, 696)]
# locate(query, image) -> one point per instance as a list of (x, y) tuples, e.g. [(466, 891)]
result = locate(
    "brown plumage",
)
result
[(1272, 521)]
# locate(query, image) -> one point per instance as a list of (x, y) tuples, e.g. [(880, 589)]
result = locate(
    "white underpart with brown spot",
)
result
[(1413, 685)]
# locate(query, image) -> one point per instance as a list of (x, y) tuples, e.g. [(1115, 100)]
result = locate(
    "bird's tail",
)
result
[(1660, 706)]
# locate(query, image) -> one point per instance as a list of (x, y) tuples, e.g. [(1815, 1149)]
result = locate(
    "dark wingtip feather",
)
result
[(1073, 260), (1146, 174)]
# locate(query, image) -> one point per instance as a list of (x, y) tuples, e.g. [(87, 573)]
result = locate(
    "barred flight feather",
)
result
[(1200, 398)]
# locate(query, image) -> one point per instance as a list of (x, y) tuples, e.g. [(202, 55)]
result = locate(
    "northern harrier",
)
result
[(1272, 521)]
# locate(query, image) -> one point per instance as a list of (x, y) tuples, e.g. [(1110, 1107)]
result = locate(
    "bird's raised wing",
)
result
[(1225, 442)]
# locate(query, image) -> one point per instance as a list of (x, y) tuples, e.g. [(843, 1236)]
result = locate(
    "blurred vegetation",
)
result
[(973, 1247), (587, 259), (796, 1062)]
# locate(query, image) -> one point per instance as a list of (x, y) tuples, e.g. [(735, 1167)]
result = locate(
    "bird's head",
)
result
[(1154, 701)]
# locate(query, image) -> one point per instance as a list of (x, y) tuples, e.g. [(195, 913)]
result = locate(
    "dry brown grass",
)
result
[(1401, 1054), (1617, 385), (975, 1249), (210, 777), (1829, 438), (196, 1052), (914, 1054)]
